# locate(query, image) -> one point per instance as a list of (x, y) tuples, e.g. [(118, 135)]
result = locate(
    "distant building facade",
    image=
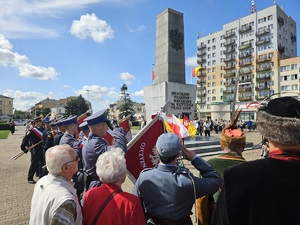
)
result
[(255, 55), (6, 106), (114, 112)]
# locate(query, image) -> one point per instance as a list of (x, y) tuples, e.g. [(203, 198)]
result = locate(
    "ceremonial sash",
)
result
[(37, 132)]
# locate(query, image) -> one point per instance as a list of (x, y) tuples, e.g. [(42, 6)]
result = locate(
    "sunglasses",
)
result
[(75, 160)]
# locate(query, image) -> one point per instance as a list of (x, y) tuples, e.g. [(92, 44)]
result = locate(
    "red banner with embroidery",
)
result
[(141, 152)]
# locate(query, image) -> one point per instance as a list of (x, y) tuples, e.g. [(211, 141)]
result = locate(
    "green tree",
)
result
[(76, 106), (125, 109), (19, 114), (45, 111)]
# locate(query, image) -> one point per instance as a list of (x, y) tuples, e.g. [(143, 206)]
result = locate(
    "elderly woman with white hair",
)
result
[(108, 204), (54, 199)]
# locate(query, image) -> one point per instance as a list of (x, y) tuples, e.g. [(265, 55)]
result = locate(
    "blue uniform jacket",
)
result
[(168, 193), (95, 146)]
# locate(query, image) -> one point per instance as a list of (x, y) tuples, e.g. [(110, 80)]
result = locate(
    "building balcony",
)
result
[(245, 29), (245, 89), (201, 81), (241, 64), (227, 98), (245, 98), (263, 41), (229, 83), (231, 66), (263, 79), (201, 74), (262, 32), (201, 88), (227, 92), (200, 95), (260, 97), (262, 88), (242, 81), (201, 53), (229, 34), (200, 61), (263, 59), (244, 72), (229, 42), (229, 75), (245, 46), (201, 46), (228, 59), (245, 55), (263, 68), (201, 102), (229, 50)]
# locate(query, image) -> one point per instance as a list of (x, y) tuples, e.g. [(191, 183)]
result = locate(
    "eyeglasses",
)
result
[(75, 160)]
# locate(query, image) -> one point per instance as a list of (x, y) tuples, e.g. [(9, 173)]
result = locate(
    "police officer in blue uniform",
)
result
[(34, 136), (71, 126), (168, 192), (60, 131), (84, 133), (95, 145)]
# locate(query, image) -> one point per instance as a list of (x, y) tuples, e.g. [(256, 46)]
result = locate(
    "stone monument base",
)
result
[(182, 99)]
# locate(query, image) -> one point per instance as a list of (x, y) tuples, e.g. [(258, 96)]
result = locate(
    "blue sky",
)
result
[(61, 48)]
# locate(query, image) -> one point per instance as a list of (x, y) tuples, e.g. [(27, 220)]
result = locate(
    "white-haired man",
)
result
[(54, 199)]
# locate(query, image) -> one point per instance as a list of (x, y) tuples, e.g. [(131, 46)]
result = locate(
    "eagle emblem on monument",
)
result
[(176, 38)]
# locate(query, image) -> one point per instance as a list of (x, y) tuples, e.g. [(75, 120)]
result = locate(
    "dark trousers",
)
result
[(37, 162), (207, 133)]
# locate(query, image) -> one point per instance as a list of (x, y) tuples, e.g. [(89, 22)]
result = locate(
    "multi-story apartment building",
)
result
[(250, 59)]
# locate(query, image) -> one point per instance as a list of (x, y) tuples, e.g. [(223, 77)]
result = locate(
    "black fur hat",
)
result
[(279, 120)]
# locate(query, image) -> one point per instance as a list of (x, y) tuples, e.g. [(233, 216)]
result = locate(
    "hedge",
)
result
[(4, 126)]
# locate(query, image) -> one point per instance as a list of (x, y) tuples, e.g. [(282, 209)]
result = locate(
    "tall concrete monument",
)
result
[(169, 81)]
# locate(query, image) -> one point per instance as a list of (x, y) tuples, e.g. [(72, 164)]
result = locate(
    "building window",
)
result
[(1, 103), (214, 77), (213, 91), (285, 88), (213, 47), (294, 87), (208, 41), (213, 40), (214, 54), (294, 76), (208, 77), (213, 98), (213, 69), (213, 83), (9, 103), (294, 66), (270, 17)]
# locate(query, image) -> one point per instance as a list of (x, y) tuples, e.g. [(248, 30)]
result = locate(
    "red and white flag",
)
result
[(127, 128), (141, 152), (176, 126), (109, 137)]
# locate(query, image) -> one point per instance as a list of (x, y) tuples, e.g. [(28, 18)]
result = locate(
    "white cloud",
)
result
[(91, 26), (100, 97), (21, 62), (136, 30), (66, 86), (191, 61), (25, 100), (127, 77), (139, 93)]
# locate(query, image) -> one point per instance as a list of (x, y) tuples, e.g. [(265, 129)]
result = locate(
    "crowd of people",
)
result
[(228, 190)]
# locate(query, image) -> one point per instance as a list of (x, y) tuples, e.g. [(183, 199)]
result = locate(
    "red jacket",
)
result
[(123, 209)]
